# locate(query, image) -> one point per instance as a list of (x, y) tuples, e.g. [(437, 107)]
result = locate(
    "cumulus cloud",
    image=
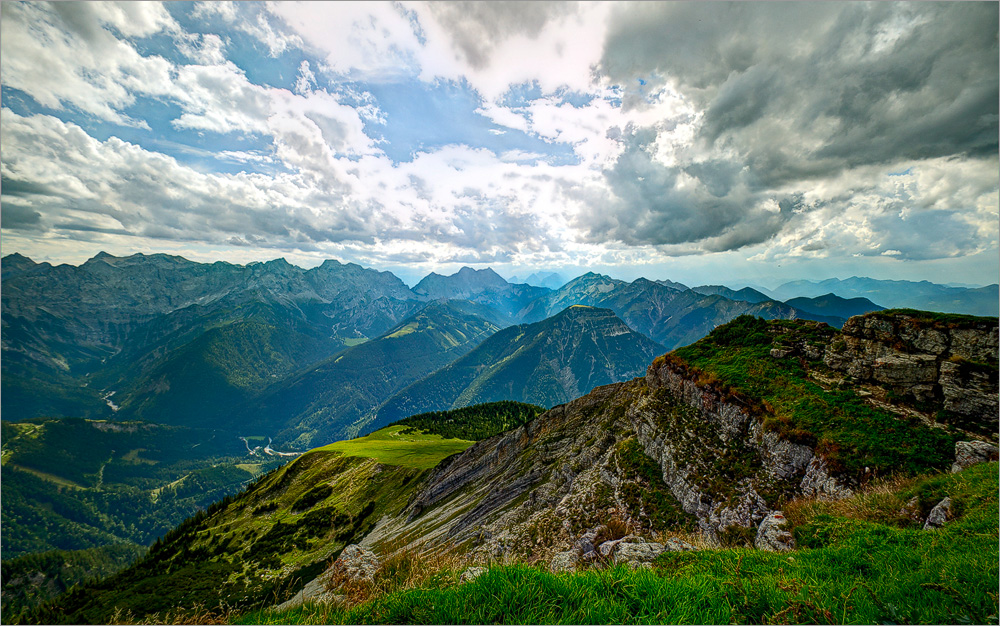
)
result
[(65, 54), (57, 179), (252, 20), (788, 97), (791, 130)]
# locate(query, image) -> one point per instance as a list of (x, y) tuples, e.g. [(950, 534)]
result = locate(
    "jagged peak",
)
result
[(101, 256), (17, 257)]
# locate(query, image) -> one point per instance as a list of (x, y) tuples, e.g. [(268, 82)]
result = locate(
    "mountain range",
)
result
[(770, 437), (269, 352), (174, 338), (922, 295)]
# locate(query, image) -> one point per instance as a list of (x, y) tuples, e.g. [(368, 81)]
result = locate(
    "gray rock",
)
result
[(780, 353), (975, 344), (637, 554), (772, 536), (900, 368), (608, 547), (565, 561), (939, 515), (813, 353), (968, 392), (931, 341), (929, 363), (818, 482), (355, 565), (594, 534), (471, 573), (969, 453)]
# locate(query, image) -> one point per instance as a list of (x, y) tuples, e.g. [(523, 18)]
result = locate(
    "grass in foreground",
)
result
[(391, 446), (851, 571)]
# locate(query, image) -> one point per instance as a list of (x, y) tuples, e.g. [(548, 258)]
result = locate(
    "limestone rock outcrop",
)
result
[(939, 515), (772, 536), (969, 453), (952, 360), (705, 426), (356, 565)]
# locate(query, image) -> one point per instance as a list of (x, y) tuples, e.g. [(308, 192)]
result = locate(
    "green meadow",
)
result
[(391, 446)]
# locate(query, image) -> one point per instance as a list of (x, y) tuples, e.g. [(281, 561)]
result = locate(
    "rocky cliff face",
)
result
[(716, 457), (656, 453), (946, 359)]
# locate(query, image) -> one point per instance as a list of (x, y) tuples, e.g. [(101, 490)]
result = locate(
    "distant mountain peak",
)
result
[(16, 257), (464, 282)]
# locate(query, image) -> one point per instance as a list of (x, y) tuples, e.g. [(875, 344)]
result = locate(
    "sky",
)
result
[(701, 142)]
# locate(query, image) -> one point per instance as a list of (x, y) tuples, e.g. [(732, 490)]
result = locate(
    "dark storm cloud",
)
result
[(654, 206), (791, 94), (477, 28), (19, 217)]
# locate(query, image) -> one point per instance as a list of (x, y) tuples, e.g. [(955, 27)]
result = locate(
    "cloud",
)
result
[(363, 41), (64, 55), (787, 98), (60, 179), (695, 129), (800, 91), (251, 19)]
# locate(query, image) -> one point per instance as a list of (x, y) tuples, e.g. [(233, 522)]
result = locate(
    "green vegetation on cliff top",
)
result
[(856, 439)]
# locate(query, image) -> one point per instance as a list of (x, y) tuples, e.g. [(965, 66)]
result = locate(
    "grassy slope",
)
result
[(393, 447), (264, 544), (860, 565)]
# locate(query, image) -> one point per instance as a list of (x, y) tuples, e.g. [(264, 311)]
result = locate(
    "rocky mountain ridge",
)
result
[(545, 363)]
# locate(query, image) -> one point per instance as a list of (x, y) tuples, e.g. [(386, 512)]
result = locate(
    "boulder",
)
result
[(969, 453), (355, 565), (637, 554), (939, 515), (772, 536), (565, 561), (471, 573)]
